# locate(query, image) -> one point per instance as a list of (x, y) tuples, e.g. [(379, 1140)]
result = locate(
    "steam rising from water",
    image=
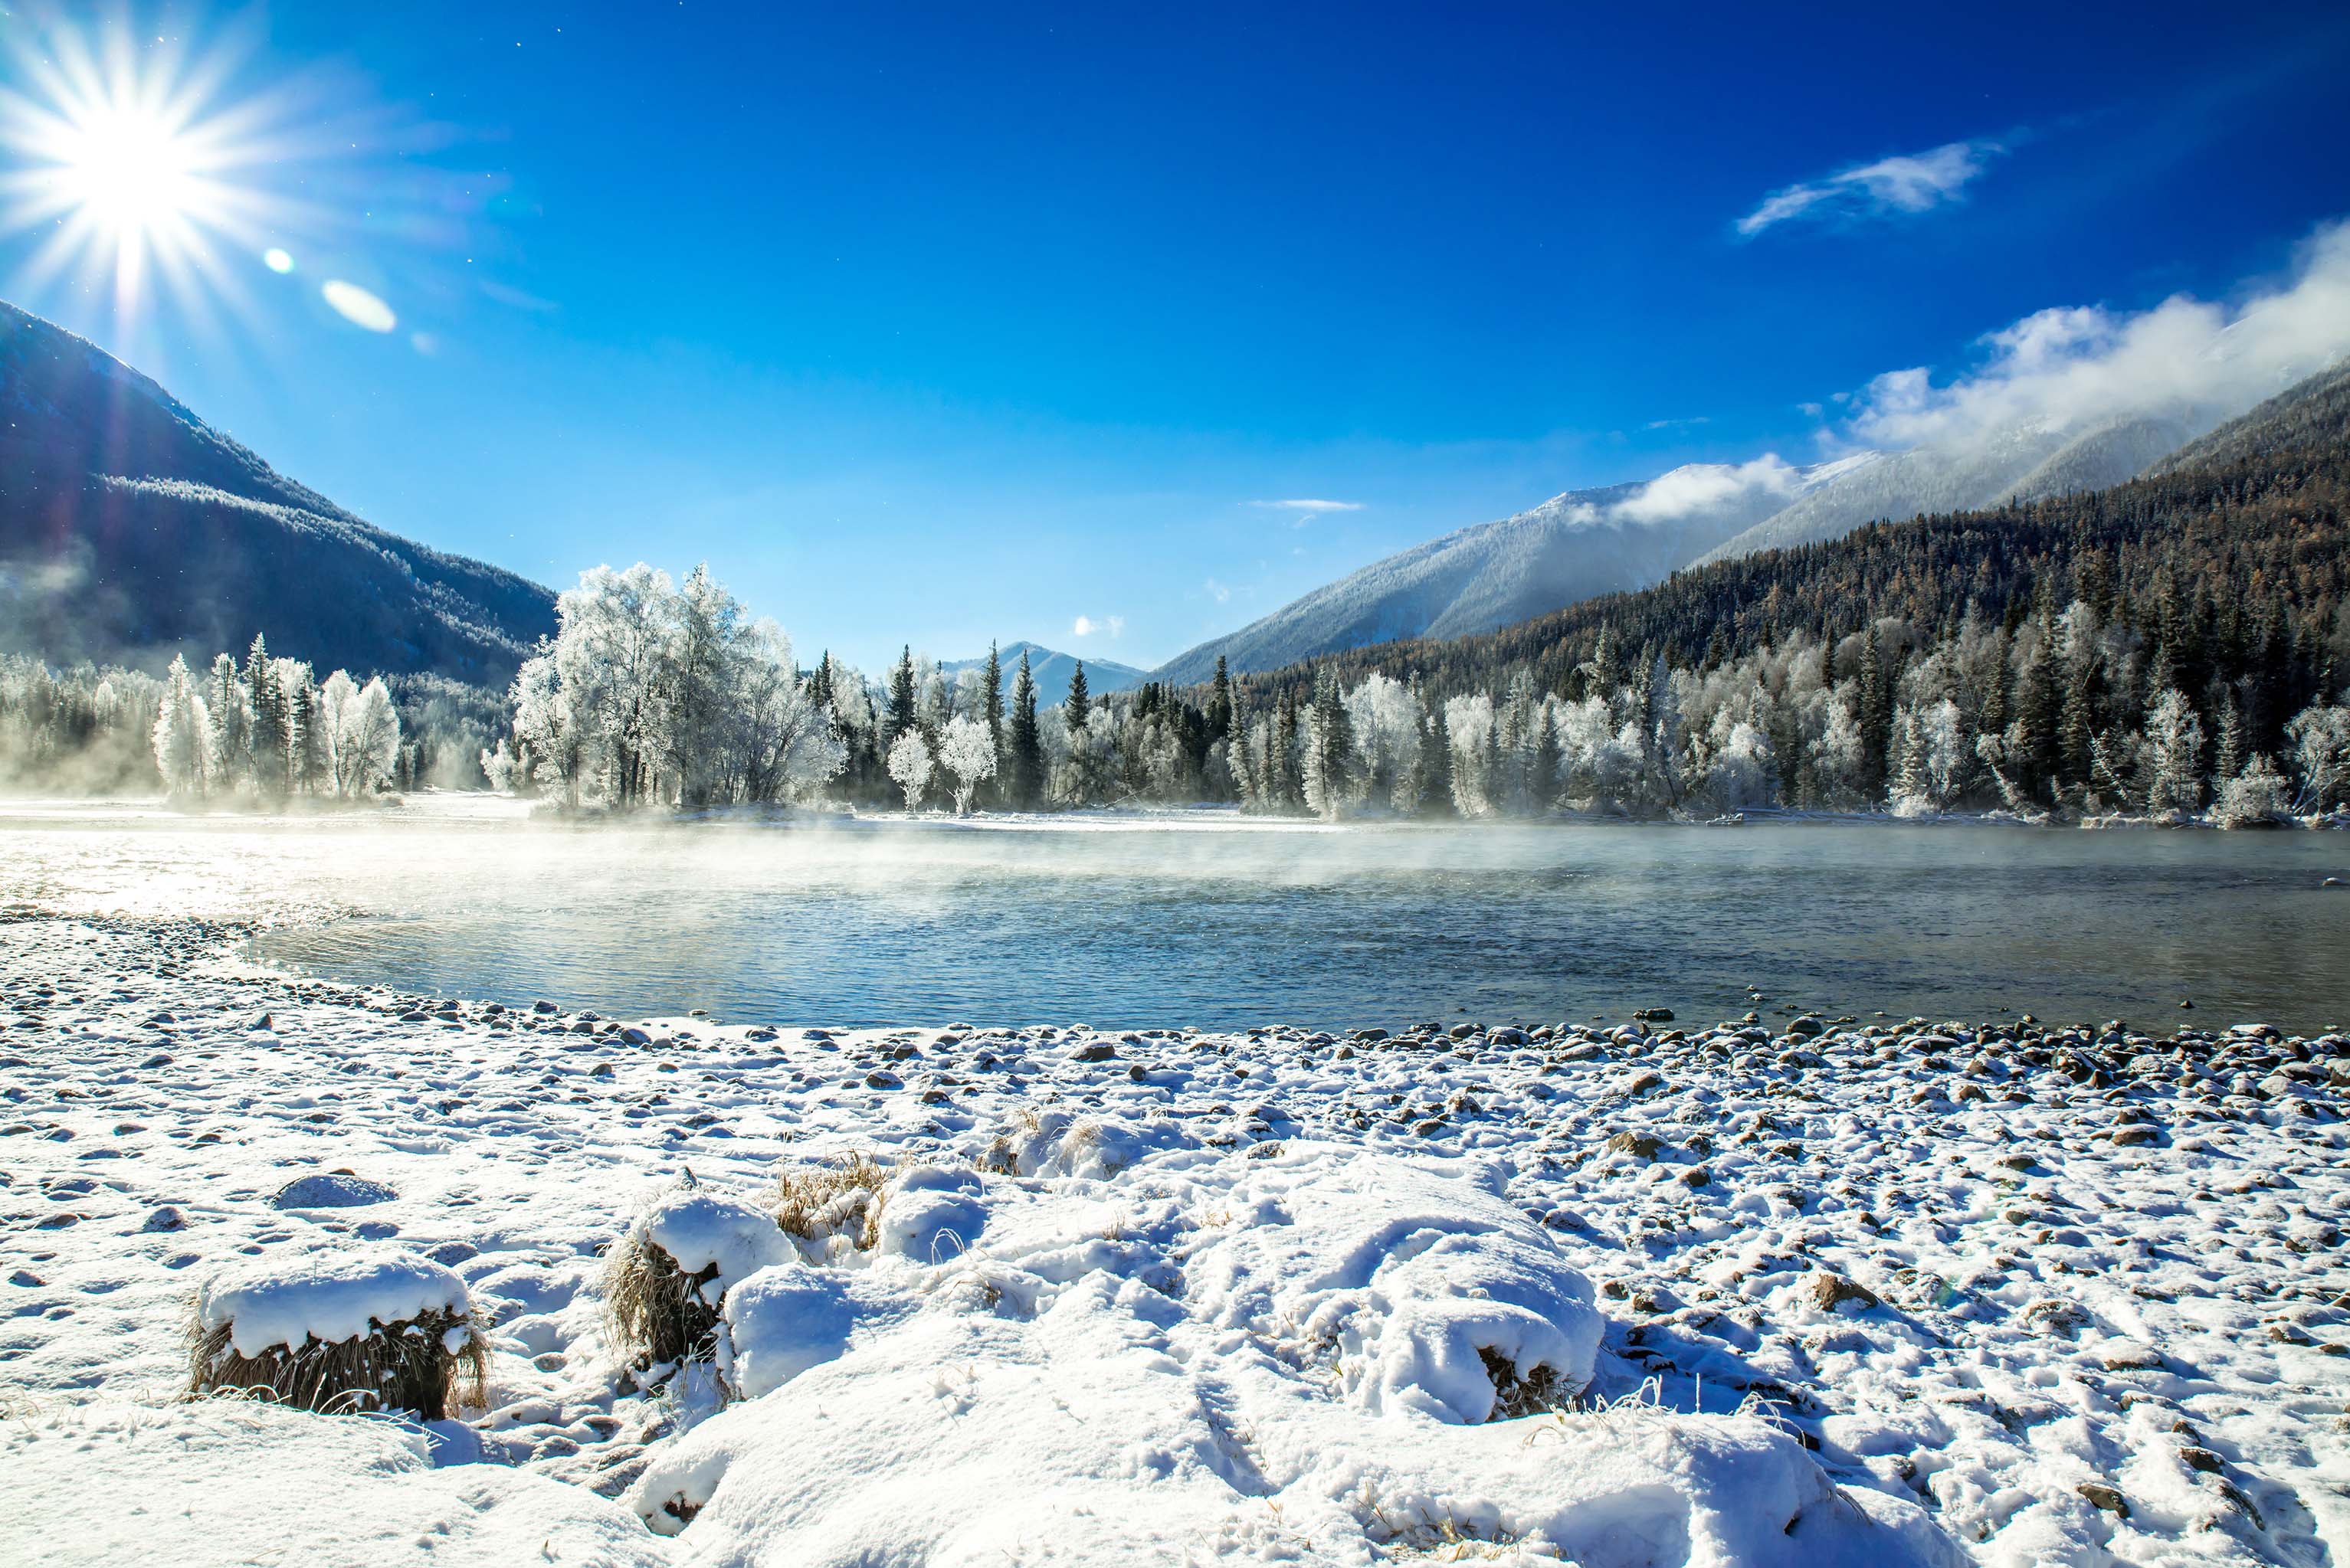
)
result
[(1210, 919)]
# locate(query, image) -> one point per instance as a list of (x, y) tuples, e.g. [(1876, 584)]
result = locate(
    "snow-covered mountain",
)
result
[(1051, 670), (2024, 463), (1572, 546), (129, 529)]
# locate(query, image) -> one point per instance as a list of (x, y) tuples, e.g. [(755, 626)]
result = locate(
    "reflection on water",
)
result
[(1131, 926)]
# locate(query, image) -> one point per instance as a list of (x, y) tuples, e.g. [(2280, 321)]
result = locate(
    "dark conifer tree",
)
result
[(1541, 775), (902, 699), (1026, 783), (1219, 714), (1436, 761), (1876, 713), (1081, 705), (266, 739)]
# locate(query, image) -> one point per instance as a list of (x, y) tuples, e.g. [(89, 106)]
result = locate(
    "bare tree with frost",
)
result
[(967, 750), (911, 764)]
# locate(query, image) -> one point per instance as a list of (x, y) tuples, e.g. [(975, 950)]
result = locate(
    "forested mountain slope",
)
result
[(2309, 415), (131, 530)]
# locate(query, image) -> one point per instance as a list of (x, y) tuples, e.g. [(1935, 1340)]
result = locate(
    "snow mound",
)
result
[(332, 1191), (1208, 1354), (229, 1483), (699, 1228), (789, 1317), (932, 1215), (1401, 1276), (326, 1296)]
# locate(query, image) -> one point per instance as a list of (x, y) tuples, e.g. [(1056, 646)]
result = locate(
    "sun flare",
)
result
[(137, 162), (130, 169)]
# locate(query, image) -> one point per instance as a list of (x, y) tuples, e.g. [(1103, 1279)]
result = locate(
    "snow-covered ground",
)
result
[(1681, 1293)]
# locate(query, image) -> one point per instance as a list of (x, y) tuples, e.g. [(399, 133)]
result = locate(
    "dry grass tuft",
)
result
[(817, 1202), (655, 1312), (1538, 1393), (402, 1366)]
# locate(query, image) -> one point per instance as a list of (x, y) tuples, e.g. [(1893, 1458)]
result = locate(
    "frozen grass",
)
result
[(819, 1202), (434, 1364), (1536, 1392), (656, 1315)]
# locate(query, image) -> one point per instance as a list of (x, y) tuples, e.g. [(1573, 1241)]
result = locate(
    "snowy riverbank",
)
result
[(1155, 1294)]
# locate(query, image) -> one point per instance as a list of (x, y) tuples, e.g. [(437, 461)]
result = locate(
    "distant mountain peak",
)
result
[(1051, 668)]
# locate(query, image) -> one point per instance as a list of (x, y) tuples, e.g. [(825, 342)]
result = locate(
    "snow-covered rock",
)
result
[(697, 1229), (329, 1296)]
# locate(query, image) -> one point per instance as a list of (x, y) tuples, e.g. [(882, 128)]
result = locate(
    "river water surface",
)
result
[(1207, 919)]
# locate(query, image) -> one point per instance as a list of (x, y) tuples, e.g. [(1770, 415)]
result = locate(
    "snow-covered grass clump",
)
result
[(669, 1274), (367, 1330)]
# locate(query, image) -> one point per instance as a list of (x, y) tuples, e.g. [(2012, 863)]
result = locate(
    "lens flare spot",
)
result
[(357, 307), (276, 260)]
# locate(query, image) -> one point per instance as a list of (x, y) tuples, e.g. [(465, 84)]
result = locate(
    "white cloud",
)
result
[(1219, 592), (1678, 424), (2078, 366), (357, 307), (1700, 487), (1309, 505), (1086, 626), (1909, 182)]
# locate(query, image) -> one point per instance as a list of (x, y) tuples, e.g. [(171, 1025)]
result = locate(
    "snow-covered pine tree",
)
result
[(230, 724)]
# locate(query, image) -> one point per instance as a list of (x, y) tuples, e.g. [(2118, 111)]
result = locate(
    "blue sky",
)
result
[(944, 324)]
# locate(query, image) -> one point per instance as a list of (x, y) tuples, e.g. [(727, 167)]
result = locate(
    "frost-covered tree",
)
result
[(308, 770), (911, 764), (1385, 720), (265, 711), (966, 750), (2319, 742), (232, 723), (2258, 793), (367, 740), (1468, 721), (184, 735), (776, 744), (1738, 770), (2174, 754)]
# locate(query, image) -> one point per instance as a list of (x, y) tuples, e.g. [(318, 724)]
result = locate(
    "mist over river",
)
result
[(1214, 920)]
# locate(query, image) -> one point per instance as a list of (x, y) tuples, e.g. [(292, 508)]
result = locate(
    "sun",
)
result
[(130, 169)]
